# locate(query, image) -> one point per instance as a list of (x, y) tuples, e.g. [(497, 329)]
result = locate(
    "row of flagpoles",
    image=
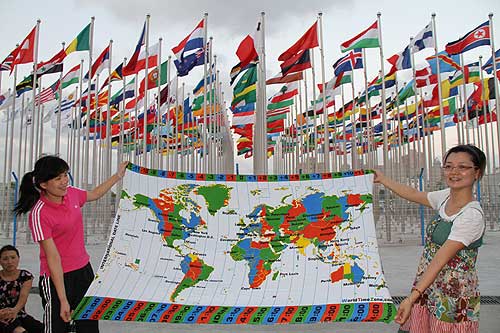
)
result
[(191, 133), (292, 128)]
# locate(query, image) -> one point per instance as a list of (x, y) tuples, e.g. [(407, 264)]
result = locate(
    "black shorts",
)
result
[(27, 322), (76, 284)]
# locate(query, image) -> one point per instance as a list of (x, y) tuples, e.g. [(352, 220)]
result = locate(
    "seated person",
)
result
[(15, 285)]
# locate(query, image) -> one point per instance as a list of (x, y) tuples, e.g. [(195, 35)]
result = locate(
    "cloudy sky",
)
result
[(230, 21)]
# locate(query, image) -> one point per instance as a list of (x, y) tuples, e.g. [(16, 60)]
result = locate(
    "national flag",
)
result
[(6, 65), (286, 92), (190, 51), (129, 68), (169, 93), (335, 82), (477, 37), (243, 118), (25, 85), (488, 66), (153, 78), (424, 39), (71, 77), (81, 42), (246, 51), (237, 70), (25, 52), (447, 63), (280, 79), (424, 77), (127, 92), (401, 60), (308, 41), (368, 38), (200, 86), (54, 65), (153, 52), (116, 75), (297, 63), (353, 60), (46, 95), (99, 65)]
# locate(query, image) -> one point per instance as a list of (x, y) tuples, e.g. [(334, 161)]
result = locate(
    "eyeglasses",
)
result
[(458, 168)]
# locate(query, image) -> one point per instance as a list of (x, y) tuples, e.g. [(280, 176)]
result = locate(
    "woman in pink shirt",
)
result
[(56, 223)]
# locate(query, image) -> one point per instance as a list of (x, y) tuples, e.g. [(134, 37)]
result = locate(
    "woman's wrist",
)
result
[(415, 294)]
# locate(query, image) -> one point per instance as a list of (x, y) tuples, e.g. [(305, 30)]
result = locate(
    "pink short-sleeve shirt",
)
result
[(64, 224)]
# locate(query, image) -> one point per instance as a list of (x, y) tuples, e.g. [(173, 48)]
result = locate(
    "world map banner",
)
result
[(241, 249)]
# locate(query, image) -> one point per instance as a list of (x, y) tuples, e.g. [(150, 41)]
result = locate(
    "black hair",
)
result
[(476, 154), (9, 248), (46, 168)]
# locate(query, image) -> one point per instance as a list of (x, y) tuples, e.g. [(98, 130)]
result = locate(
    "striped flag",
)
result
[(368, 38), (46, 95)]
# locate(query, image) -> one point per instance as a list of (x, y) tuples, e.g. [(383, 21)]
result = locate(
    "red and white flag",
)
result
[(25, 52)]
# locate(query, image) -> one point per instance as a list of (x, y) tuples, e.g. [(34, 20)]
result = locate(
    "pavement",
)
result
[(399, 262)]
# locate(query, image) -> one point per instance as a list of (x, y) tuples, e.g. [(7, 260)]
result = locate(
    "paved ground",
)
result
[(399, 263)]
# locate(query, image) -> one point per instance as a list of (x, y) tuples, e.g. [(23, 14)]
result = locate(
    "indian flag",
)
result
[(81, 42), (364, 40)]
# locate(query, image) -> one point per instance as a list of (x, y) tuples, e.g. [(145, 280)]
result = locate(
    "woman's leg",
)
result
[(52, 320)]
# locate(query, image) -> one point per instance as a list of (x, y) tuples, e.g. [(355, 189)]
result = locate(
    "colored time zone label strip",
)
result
[(105, 308), (244, 178)]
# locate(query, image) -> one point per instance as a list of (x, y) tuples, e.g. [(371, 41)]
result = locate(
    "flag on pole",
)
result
[(153, 52), (54, 65), (308, 41), (46, 95), (447, 63), (352, 60), (488, 66), (71, 77), (424, 39), (476, 37), (25, 52), (129, 68), (190, 52), (367, 38), (246, 51), (6, 65), (116, 75), (81, 42), (297, 63), (279, 79), (100, 64), (129, 93)]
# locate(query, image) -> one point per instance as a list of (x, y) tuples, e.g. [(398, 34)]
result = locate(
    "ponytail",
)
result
[(28, 194), (46, 168)]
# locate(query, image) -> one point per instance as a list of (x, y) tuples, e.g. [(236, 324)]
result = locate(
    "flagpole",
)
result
[(109, 153), (326, 142), (167, 118), (79, 165), (32, 134), (441, 121), (464, 91), (121, 136), (315, 126), (89, 103), (205, 71), (260, 126), (58, 123), (382, 75), (497, 97), (145, 125), (20, 138), (367, 100), (210, 110), (158, 159)]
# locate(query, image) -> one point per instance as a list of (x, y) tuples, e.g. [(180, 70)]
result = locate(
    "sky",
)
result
[(229, 22)]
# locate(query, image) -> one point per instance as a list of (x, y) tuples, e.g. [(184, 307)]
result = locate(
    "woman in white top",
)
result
[(445, 295)]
